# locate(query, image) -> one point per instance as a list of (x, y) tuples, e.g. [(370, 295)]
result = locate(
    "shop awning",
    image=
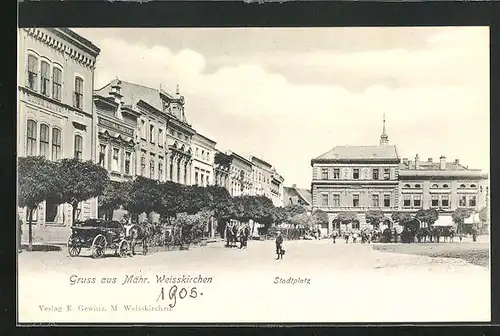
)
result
[(444, 221)]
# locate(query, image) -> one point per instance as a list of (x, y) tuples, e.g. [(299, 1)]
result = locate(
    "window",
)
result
[(160, 168), (406, 201), (45, 78), (78, 146), (336, 200), (355, 174), (196, 178), (143, 163), (355, 225), (462, 186), (128, 157), (44, 140), (417, 202), (160, 137), (445, 201), (324, 199), (32, 72), (151, 134), (387, 173), (152, 168), (355, 200), (375, 200), (472, 185), (78, 94), (171, 171), (31, 138), (434, 201), (324, 174), (406, 186), (435, 186), (336, 173), (375, 174), (417, 186), (472, 201), (197, 154), (102, 155), (56, 83), (56, 144), (179, 135), (115, 163), (143, 129), (387, 201), (445, 186), (462, 201)]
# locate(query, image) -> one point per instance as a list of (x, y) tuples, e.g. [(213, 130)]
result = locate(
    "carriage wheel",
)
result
[(99, 246), (73, 250), (123, 248), (144, 247)]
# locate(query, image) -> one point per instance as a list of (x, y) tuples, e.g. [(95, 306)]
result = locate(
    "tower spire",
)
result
[(384, 139), (177, 90)]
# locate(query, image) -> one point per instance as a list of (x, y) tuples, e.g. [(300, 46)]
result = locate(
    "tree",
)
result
[(115, 194), (303, 221), (221, 205), (144, 196), (459, 216), (80, 181), (319, 218), (402, 218), (195, 199), (346, 217), (375, 217), (429, 216), (171, 200), (37, 182), (222, 159), (484, 214)]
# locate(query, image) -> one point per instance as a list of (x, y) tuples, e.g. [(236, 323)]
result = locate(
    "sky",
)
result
[(288, 95)]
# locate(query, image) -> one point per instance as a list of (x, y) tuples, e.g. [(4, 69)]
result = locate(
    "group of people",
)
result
[(365, 235), (237, 233)]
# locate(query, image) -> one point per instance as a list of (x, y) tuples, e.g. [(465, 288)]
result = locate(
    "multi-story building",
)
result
[(222, 169), (203, 160), (276, 188), (297, 196), (240, 175), (261, 175), (441, 185), (55, 111), (162, 135), (357, 179)]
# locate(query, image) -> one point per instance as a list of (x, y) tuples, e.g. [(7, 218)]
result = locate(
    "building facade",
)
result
[(203, 160), (162, 135), (240, 175), (276, 188), (357, 179), (222, 169), (261, 176), (55, 106)]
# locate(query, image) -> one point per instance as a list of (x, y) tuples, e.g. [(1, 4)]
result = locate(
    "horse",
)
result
[(423, 234), (140, 233)]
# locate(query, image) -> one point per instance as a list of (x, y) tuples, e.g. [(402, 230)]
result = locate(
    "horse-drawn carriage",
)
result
[(98, 235)]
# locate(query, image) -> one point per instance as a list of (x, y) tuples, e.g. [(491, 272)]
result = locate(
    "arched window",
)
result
[(45, 78), (417, 185), (435, 186), (32, 72), (445, 186), (31, 138), (78, 94), (472, 185), (78, 146), (44, 140), (56, 83), (406, 186), (56, 144), (462, 186)]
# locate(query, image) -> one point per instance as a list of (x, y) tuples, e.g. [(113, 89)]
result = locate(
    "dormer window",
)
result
[(417, 185), (462, 186), (445, 186), (406, 186), (472, 185), (435, 186)]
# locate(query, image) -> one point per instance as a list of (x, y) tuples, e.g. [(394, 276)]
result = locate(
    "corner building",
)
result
[(55, 109)]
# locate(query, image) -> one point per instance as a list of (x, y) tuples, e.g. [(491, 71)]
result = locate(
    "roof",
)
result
[(256, 159), (360, 153), (132, 93), (95, 49), (292, 195), (426, 165)]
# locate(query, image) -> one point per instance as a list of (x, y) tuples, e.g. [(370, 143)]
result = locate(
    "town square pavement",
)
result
[(334, 283)]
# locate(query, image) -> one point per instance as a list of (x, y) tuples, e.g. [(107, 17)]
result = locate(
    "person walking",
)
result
[(279, 246), (346, 237), (354, 237), (334, 235)]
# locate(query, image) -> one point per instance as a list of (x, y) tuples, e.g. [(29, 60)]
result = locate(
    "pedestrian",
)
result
[(354, 237), (279, 246), (346, 237), (334, 235)]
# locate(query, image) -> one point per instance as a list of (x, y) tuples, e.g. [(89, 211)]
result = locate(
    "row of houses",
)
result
[(129, 129), (358, 179)]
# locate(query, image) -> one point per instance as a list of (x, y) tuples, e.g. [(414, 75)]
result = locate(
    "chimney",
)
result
[(116, 91), (417, 162), (405, 161), (442, 162), (294, 186), (429, 160), (457, 161)]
